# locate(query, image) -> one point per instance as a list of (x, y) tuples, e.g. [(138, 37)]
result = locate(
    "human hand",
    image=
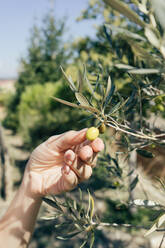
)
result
[(61, 162)]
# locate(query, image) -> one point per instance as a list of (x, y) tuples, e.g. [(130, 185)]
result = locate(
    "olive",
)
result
[(92, 133), (102, 128), (160, 107)]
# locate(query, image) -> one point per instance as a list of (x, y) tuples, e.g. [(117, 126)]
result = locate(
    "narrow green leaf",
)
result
[(108, 88), (144, 71), (83, 244), (69, 79), (145, 153), (132, 98), (92, 207), (125, 32), (161, 220), (125, 67), (87, 81), (69, 236), (89, 108), (109, 96), (159, 9), (152, 37), (92, 240), (126, 11), (115, 108), (81, 99), (80, 81), (134, 183), (52, 204)]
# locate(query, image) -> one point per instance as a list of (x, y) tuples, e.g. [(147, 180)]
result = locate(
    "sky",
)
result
[(18, 16)]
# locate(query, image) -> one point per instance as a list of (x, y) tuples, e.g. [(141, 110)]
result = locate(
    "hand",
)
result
[(61, 162)]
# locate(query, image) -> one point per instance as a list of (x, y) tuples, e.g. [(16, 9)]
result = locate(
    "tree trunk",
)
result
[(5, 169)]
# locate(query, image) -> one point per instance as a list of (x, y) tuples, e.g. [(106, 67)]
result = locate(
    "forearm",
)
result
[(17, 225)]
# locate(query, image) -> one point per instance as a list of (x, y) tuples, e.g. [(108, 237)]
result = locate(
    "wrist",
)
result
[(27, 188)]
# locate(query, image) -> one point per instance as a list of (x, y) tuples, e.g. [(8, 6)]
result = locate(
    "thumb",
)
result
[(69, 139)]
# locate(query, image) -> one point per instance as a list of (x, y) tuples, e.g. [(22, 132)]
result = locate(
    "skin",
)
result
[(55, 166)]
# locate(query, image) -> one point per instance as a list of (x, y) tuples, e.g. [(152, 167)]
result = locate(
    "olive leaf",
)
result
[(145, 153), (125, 67), (90, 210), (156, 225), (134, 183), (126, 11), (83, 244), (109, 84), (52, 204), (125, 32), (89, 108), (92, 240), (143, 71), (152, 37), (69, 80), (81, 99), (69, 236)]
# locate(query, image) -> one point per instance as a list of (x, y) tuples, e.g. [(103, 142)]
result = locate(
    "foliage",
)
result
[(41, 64), (137, 56)]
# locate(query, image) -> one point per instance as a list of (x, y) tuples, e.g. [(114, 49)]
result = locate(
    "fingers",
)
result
[(85, 153), (68, 140), (97, 145), (69, 180)]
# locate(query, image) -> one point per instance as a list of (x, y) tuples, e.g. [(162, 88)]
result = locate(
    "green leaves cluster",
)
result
[(76, 218)]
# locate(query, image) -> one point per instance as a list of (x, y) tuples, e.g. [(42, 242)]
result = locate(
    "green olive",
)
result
[(160, 107), (92, 133), (102, 128)]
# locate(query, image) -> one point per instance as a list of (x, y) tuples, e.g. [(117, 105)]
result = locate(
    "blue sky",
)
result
[(18, 16)]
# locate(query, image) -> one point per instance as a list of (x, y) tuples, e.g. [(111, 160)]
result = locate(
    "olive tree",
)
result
[(123, 94)]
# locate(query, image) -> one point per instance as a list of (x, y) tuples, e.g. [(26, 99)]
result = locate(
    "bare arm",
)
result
[(18, 223), (55, 166)]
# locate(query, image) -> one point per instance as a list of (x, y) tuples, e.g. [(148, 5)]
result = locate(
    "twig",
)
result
[(162, 241), (102, 224)]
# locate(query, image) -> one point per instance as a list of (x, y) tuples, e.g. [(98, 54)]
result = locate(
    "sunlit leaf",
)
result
[(81, 99), (152, 37), (156, 225), (126, 11), (161, 220), (69, 79), (89, 108), (125, 32), (69, 236), (125, 67), (83, 244), (80, 81), (92, 240), (159, 9), (87, 81), (109, 84), (144, 71)]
